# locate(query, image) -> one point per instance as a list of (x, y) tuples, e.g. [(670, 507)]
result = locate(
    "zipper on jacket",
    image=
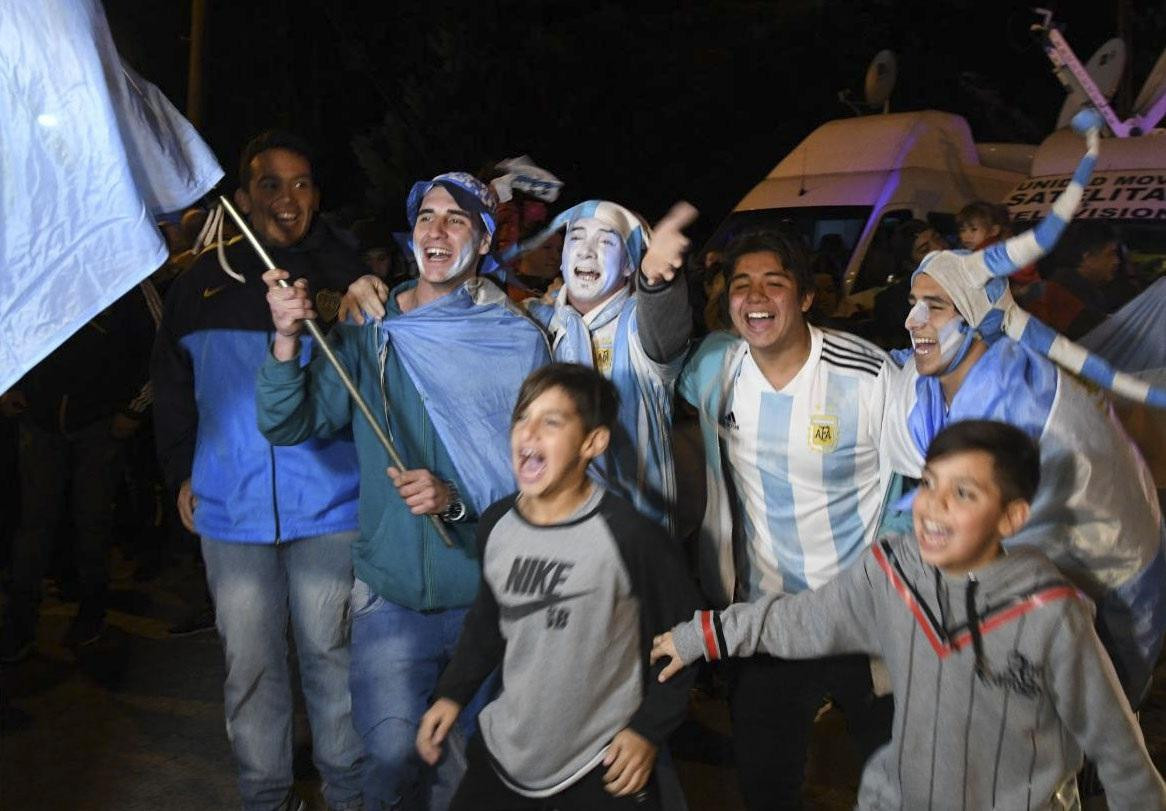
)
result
[(274, 500)]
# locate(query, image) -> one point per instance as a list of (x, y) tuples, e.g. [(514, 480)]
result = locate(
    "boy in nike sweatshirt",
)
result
[(574, 580), (1000, 682)]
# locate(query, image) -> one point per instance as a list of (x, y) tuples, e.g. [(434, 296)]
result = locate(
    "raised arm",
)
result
[(663, 312)]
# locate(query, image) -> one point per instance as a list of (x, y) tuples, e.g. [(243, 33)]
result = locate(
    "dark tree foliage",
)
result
[(640, 102)]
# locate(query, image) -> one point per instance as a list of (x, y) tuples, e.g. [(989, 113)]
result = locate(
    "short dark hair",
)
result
[(1015, 455), (788, 247), (272, 139), (1086, 237), (594, 396)]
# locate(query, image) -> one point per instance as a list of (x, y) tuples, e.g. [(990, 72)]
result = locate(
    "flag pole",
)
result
[(318, 335)]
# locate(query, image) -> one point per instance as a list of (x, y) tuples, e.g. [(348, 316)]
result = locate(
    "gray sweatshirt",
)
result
[(999, 678), (569, 610)]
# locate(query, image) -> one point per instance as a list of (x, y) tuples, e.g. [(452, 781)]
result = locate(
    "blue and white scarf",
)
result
[(468, 353)]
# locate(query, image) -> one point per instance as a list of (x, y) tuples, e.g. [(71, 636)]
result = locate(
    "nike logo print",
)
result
[(210, 291), (517, 612)]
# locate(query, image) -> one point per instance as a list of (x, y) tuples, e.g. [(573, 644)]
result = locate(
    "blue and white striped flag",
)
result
[(91, 153)]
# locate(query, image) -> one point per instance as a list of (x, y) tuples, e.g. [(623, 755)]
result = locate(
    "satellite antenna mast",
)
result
[(1104, 69), (877, 85)]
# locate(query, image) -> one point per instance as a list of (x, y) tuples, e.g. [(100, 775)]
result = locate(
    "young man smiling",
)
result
[(446, 403), (798, 449), (276, 523)]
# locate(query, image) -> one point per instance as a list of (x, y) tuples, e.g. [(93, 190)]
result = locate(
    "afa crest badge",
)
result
[(823, 433)]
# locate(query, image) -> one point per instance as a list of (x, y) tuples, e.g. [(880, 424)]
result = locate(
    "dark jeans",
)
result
[(482, 790), (773, 703), (86, 462)]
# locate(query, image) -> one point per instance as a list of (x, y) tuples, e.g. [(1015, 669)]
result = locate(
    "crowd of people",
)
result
[(474, 519)]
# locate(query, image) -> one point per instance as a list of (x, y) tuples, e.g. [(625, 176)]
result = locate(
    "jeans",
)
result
[(86, 463), (772, 705), (257, 589), (397, 657)]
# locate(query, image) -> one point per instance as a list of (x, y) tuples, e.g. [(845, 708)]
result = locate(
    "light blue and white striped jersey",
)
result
[(809, 463)]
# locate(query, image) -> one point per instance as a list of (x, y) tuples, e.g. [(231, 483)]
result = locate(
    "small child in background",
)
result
[(1000, 681), (574, 583), (980, 224)]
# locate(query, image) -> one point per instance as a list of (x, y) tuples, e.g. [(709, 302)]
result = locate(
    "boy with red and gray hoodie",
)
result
[(1001, 684)]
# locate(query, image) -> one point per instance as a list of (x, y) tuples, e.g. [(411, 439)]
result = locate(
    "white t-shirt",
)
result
[(806, 465)]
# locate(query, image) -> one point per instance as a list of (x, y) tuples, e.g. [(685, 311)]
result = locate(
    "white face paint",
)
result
[(595, 262), (950, 335), (918, 315)]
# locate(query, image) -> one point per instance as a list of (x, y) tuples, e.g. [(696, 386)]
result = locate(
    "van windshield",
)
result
[(829, 231)]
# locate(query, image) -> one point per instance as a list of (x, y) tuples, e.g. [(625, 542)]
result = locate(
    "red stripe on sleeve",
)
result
[(710, 637)]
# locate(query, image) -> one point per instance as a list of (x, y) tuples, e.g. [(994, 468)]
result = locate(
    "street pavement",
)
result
[(136, 721)]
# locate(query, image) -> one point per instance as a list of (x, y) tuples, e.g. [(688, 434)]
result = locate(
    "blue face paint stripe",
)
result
[(838, 468), (772, 435)]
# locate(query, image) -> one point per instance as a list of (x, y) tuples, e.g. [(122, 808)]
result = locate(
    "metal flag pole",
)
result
[(318, 335)]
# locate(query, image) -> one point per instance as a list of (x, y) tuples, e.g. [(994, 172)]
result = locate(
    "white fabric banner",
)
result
[(90, 153)]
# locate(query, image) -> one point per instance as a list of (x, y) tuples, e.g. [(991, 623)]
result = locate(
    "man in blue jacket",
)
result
[(276, 524), (441, 371)]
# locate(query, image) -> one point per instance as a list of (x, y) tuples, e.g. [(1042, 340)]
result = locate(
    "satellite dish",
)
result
[(880, 79), (1105, 68), (1154, 87)]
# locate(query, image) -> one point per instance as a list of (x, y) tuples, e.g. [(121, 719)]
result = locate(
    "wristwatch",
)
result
[(456, 511)]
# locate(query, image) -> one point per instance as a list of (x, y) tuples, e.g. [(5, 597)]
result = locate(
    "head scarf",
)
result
[(636, 233), (467, 191)]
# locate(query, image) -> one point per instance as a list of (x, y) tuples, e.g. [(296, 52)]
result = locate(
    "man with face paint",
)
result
[(1096, 514), (442, 361), (623, 310)]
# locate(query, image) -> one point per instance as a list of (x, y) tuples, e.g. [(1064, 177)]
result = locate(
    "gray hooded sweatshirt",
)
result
[(999, 678)]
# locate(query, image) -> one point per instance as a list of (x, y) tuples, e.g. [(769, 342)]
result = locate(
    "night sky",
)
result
[(641, 103)]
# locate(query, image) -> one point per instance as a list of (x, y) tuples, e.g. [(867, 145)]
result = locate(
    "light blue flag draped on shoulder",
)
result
[(468, 353), (90, 153)]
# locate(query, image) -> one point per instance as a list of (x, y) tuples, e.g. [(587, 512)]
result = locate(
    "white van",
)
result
[(858, 178)]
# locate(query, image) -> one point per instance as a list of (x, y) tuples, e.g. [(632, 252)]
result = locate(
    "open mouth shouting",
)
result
[(532, 464), (587, 276), (934, 536)]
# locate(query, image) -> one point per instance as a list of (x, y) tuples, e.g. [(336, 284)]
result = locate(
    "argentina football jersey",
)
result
[(804, 461)]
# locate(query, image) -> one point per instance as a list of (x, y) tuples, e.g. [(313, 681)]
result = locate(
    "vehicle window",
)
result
[(829, 232), (945, 224), (878, 264)]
